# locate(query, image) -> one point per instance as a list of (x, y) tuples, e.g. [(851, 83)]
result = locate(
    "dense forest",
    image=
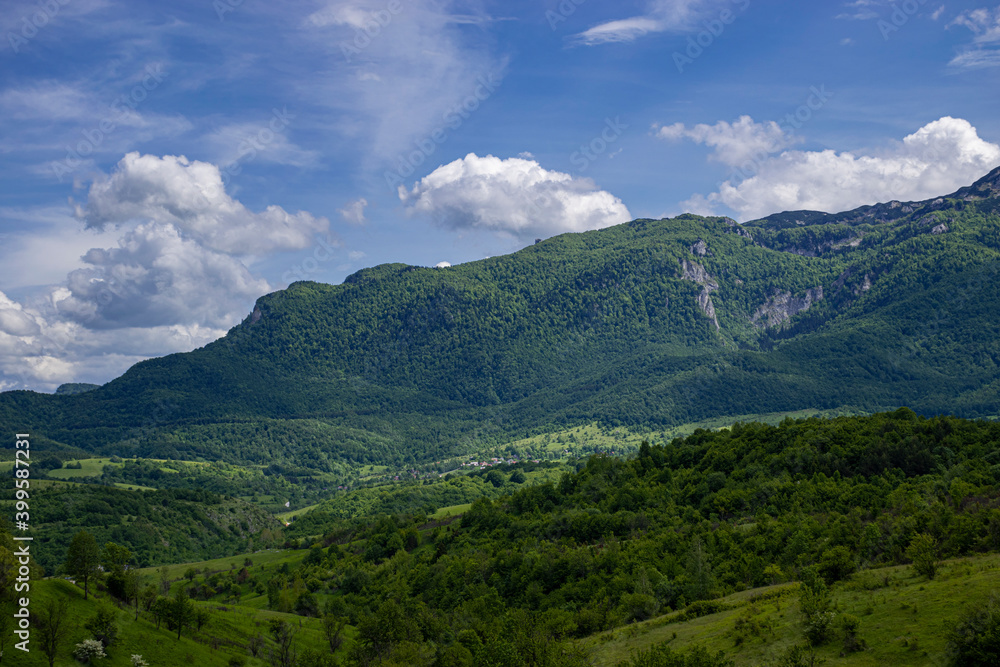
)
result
[(161, 526), (518, 578), (652, 323)]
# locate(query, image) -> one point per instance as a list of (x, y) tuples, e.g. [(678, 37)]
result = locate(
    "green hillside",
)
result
[(834, 537), (649, 324)]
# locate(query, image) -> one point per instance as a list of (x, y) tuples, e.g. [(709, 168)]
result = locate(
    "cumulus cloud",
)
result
[(661, 16), (513, 196), (190, 196), (156, 277), (175, 277), (937, 159), (985, 49), (733, 143), (14, 321)]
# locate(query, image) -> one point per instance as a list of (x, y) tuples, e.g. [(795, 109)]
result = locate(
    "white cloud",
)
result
[(442, 265), (984, 24), (734, 143), (662, 16), (861, 10), (176, 276), (513, 196), (14, 321), (190, 196), (354, 211), (235, 142), (985, 49), (155, 277), (398, 82), (937, 159), (49, 101)]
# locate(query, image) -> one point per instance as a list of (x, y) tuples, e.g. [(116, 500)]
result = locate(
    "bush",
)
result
[(88, 650), (796, 656), (975, 639), (103, 625), (836, 564), (923, 552), (139, 661), (852, 642)]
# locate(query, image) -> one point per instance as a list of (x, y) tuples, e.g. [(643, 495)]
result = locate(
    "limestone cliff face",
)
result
[(695, 272), (782, 306)]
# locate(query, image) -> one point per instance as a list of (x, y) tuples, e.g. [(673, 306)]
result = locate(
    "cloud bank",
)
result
[(937, 159)]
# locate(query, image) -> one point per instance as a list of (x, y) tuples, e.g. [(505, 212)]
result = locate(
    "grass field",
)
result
[(288, 516), (267, 557), (584, 440), (89, 468), (454, 510), (221, 639), (904, 618)]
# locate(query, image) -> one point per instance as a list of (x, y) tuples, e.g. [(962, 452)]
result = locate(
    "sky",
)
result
[(163, 165)]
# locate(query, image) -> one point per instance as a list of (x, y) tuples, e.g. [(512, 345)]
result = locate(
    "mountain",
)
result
[(652, 322)]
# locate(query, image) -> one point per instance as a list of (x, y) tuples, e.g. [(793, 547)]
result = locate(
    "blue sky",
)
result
[(165, 164)]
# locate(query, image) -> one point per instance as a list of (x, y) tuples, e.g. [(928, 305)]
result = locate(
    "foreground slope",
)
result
[(654, 322)]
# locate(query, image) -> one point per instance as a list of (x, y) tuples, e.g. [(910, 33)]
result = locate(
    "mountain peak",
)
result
[(986, 187)]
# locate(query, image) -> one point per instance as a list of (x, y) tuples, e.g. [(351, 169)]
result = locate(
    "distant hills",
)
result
[(649, 323)]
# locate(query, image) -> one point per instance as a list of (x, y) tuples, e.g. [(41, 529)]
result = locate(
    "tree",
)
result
[(333, 628), (160, 610), (52, 627), (133, 589), (699, 572), (89, 649), (814, 598), (836, 564), (103, 626), (201, 617), (181, 611), (255, 644), (923, 552), (115, 559), (83, 558), (283, 634), (148, 596), (975, 639), (164, 573)]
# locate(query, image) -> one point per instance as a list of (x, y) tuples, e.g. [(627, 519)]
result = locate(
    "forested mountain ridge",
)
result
[(652, 322)]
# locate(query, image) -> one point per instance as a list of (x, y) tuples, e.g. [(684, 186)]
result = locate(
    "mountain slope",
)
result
[(649, 322)]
